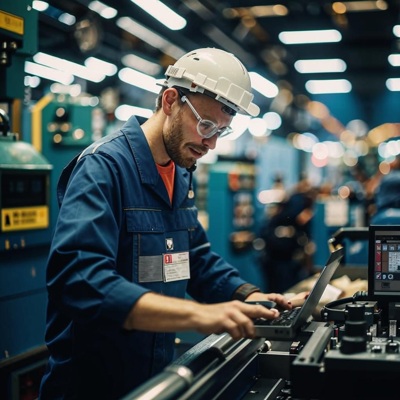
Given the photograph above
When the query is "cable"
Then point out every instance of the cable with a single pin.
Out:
(330, 312)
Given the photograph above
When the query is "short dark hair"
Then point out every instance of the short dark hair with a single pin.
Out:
(159, 98)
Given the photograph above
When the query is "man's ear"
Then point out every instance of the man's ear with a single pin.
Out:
(169, 97)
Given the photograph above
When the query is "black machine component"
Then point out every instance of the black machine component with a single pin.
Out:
(352, 353)
(355, 357)
(367, 365)
(348, 359)
(306, 370)
(217, 367)
(337, 310)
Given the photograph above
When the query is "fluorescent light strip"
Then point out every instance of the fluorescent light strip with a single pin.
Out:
(102, 9)
(68, 66)
(367, 5)
(162, 13)
(319, 66)
(141, 64)
(39, 5)
(317, 36)
(48, 73)
(43, 6)
(394, 60)
(393, 84)
(101, 66)
(396, 31)
(263, 85)
(67, 19)
(148, 36)
(139, 80)
(328, 86)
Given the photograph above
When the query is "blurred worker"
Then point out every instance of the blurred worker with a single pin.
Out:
(387, 200)
(286, 259)
(128, 246)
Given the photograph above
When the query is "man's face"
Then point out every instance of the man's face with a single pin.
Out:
(183, 143)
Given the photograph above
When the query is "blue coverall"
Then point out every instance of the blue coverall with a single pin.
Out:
(115, 224)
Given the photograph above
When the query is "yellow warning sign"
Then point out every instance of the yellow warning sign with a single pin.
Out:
(18, 219)
(11, 23)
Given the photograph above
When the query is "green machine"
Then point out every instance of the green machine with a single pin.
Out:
(25, 223)
(24, 195)
(25, 234)
(18, 40)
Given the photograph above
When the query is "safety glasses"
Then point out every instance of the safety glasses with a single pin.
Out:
(205, 127)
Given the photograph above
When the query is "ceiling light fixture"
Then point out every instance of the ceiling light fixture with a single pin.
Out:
(358, 6)
(102, 9)
(141, 64)
(48, 73)
(315, 36)
(328, 86)
(263, 85)
(394, 60)
(393, 84)
(68, 66)
(320, 66)
(276, 10)
(40, 5)
(162, 13)
(101, 66)
(53, 12)
(150, 37)
(138, 79)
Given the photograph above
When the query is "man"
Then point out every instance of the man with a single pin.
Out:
(128, 247)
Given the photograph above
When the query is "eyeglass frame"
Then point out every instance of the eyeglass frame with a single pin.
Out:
(225, 131)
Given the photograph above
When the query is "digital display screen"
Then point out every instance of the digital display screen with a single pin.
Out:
(384, 261)
(23, 189)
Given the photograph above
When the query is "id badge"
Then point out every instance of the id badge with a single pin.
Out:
(176, 266)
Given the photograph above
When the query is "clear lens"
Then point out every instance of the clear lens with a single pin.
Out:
(205, 127)
(225, 131)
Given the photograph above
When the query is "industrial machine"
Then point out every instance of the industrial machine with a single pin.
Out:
(25, 227)
(352, 358)
(350, 349)
(25, 234)
(36, 142)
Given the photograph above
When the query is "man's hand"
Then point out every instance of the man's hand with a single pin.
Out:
(157, 313)
(281, 301)
(235, 317)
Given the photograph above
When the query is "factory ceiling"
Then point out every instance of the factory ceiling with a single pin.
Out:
(247, 30)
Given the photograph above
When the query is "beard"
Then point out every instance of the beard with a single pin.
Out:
(175, 145)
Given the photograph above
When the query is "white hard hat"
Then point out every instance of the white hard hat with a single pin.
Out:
(216, 73)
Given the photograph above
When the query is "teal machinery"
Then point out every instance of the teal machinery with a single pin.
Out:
(25, 228)
(25, 236)
(56, 128)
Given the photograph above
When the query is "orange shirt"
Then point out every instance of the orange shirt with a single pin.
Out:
(167, 173)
